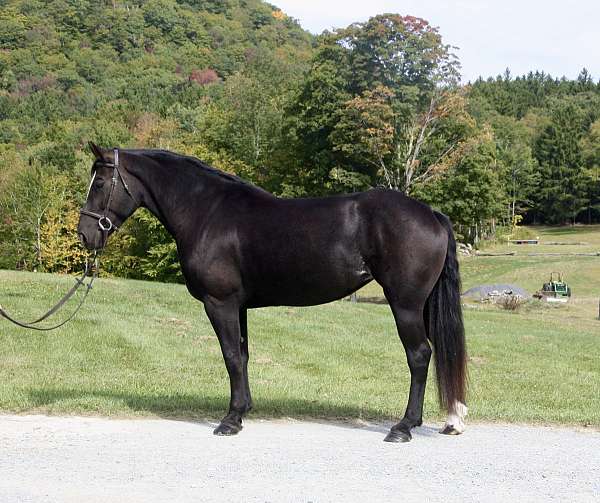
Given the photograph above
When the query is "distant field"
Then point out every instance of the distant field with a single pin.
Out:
(530, 272)
(141, 348)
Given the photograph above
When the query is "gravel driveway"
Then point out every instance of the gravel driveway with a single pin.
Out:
(51, 459)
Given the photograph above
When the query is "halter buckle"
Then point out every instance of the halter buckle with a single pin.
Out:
(101, 223)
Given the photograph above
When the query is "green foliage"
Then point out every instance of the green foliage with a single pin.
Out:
(246, 119)
(590, 150)
(39, 221)
(519, 170)
(545, 130)
(240, 85)
(373, 99)
(161, 261)
(470, 193)
(562, 193)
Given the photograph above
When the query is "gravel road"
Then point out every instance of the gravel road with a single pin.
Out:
(51, 459)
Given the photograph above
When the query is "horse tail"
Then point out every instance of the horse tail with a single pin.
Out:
(445, 328)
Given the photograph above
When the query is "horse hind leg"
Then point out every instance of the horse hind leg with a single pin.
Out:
(411, 329)
(455, 424)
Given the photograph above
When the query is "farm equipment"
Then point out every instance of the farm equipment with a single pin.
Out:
(556, 290)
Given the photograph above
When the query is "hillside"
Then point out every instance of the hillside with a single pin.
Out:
(75, 69)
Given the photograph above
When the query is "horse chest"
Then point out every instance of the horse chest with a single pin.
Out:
(219, 278)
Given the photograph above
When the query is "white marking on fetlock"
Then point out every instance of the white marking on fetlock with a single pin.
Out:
(456, 418)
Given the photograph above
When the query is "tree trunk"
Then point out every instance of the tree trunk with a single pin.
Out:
(38, 248)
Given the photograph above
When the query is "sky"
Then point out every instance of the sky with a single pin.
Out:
(558, 37)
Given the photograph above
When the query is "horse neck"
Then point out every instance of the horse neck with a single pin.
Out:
(178, 195)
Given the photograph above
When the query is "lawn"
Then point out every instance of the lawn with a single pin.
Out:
(147, 349)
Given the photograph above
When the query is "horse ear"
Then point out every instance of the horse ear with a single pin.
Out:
(97, 151)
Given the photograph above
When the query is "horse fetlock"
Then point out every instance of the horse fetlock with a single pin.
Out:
(409, 422)
(455, 424)
(239, 409)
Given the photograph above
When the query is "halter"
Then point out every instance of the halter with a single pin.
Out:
(105, 223)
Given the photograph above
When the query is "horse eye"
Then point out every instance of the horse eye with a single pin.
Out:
(99, 183)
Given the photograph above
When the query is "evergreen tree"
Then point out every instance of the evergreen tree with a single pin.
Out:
(562, 192)
(590, 148)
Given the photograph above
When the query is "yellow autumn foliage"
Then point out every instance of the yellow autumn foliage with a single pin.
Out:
(279, 15)
(60, 250)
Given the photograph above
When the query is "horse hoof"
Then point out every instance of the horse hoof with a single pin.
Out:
(398, 436)
(226, 429)
(450, 430)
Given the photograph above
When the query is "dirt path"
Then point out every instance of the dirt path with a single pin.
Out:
(50, 459)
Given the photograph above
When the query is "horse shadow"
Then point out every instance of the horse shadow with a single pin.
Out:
(206, 410)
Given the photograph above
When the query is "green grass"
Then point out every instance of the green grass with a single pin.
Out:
(147, 349)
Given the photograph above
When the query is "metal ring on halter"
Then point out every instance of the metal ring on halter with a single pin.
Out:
(105, 228)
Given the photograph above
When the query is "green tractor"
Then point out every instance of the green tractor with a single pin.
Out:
(556, 290)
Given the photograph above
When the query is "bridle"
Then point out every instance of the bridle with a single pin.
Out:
(92, 263)
(104, 222)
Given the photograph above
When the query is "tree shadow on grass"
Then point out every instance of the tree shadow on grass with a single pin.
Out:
(566, 229)
(208, 410)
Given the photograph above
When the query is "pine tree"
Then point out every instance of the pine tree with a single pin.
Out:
(563, 188)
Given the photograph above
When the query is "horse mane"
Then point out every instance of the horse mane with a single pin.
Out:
(166, 155)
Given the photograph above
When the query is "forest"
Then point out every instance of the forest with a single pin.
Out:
(240, 85)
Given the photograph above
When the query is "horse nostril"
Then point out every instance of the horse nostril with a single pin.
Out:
(82, 238)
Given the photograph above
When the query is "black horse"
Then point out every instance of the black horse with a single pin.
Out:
(240, 247)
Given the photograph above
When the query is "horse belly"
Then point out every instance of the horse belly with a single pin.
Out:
(303, 253)
(308, 286)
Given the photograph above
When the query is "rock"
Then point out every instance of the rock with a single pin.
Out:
(489, 292)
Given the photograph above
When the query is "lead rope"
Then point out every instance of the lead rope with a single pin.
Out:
(91, 271)
(91, 264)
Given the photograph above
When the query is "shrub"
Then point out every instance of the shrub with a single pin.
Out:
(510, 302)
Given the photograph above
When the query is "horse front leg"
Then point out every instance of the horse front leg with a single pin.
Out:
(225, 319)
